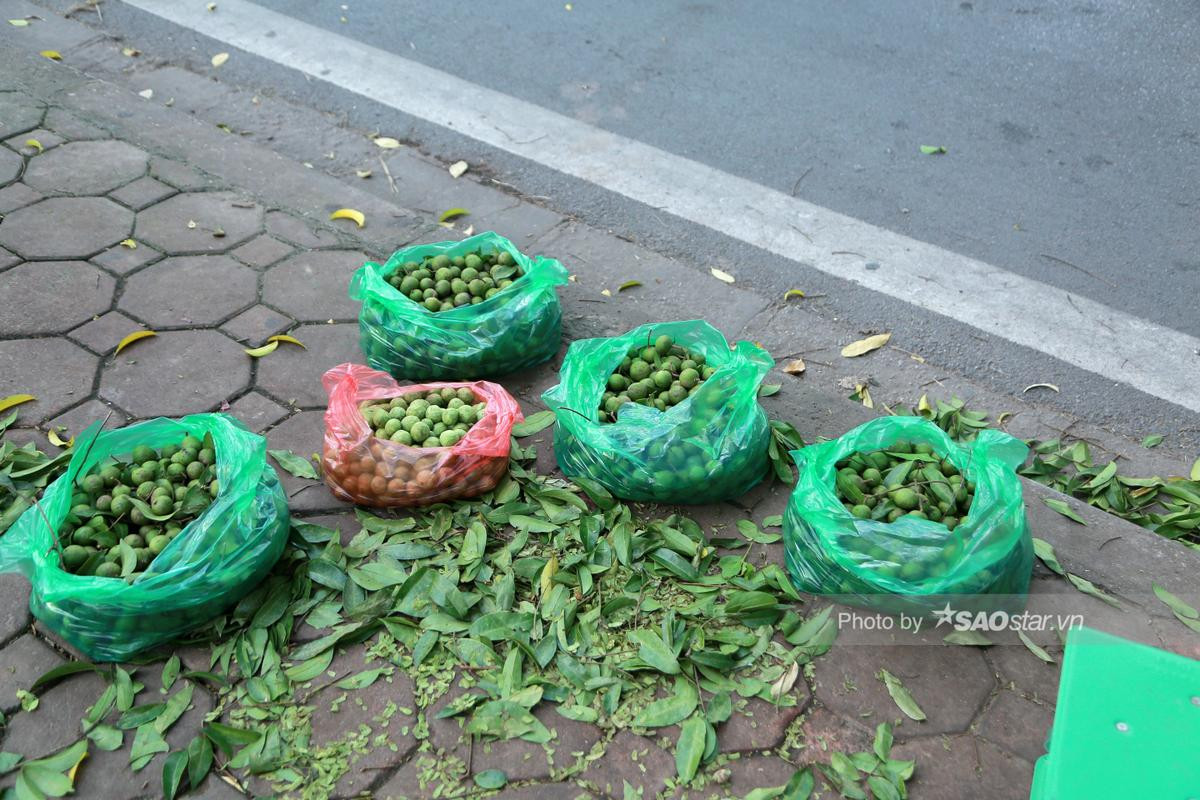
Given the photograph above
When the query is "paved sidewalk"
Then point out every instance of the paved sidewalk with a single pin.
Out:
(233, 245)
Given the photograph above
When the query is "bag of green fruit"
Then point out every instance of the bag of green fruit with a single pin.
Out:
(154, 529)
(389, 445)
(459, 310)
(667, 413)
(898, 515)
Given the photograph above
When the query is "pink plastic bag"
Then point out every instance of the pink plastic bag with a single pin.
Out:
(364, 469)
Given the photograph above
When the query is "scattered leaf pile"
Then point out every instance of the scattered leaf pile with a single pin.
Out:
(441, 283)
(24, 472)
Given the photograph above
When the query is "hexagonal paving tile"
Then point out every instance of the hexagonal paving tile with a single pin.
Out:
(10, 166)
(20, 112)
(302, 434)
(177, 372)
(294, 375)
(52, 296)
(189, 290)
(65, 227)
(312, 287)
(222, 220)
(57, 372)
(956, 767)
(86, 167)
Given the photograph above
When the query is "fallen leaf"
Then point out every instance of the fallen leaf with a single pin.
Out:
(1064, 509)
(351, 214)
(1153, 440)
(933, 149)
(628, 285)
(795, 367)
(259, 352)
(1089, 588)
(923, 404)
(864, 395)
(901, 696)
(57, 440)
(211, 6)
(146, 93)
(218, 233)
(1039, 386)
(1174, 603)
(1195, 473)
(35, 144)
(1034, 648)
(283, 337)
(785, 683)
(131, 52)
(129, 243)
(53, 55)
(452, 213)
(15, 400)
(19, 23)
(606, 292)
(546, 582)
(387, 142)
(469, 230)
(458, 168)
(721, 275)
(864, 346)
(219, 59)
(769, 389)
(131, 338)
(790, 293)
(967, 639)
(363, 173)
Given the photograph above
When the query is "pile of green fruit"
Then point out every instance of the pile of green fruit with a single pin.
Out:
(437, 418)
(659, 375)
(125, 512)
(905, 479)
(441, 283)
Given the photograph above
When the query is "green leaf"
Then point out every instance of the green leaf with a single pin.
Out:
(654, 651)
(491, 779)
(170, 672)
(175, 708)
(310, 668)
(49, 782)
(1044, 551)
(534, 423)
(578, 713)
(501, 625)
(882, 789)
(125, 693)
(174, 768)
(363, 679)
(883, 741)
(140, 715)
(800, 786)
(106, 737)
(768, 389)
(147, 742)
(1102, 477)
(1034, 648)
(671, 709)
(200, 759)
(62, 671)
(1195, 473)
(1064, 509)
(29, 700)
(900, 695)
(967, 638)
(933, 149)
(1175, 604)
(523, 522)
(1153, 440)
(690, 747)
(297, 465)
(719, 708)
(1089, 588)
(227, 737)
(452, 213)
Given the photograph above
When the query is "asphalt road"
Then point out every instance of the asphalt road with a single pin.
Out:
(1073, 141)
(1072, 128)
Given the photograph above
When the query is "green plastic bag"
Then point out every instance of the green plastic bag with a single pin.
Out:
(516, 328)
(828, 551)
(712, 446)
(213, 562)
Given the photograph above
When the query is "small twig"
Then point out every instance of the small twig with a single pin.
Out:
(802, 233)
(796, 185)
(1081, 269)
(847, 253)
(387, 172)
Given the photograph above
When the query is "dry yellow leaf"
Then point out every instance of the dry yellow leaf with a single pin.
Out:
(259, 352)
(131, 52)
(452, 213)
(19, 23)
(219, 59)
(864, 394)
(469, 230)
(628, 285)
(283, 337)
(211, 6)
(458, 168)
(795, 367)
(129, 243)
(15, 400)
(363, 173)
(35, 144)
(606, 292)
(57, 440)
(53, 55)
(721, 275)
(1039, 386)
(71, 772)
(387, 142)
(923, 404)
(351, 214)
(790, 293)
(131, 338)
(547, 579)
(864, 346)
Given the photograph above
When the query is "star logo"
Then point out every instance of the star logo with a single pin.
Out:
(943, 615)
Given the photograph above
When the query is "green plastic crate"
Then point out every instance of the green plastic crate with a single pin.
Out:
(1126, 726)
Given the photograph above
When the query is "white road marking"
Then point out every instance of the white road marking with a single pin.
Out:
(1149, 357)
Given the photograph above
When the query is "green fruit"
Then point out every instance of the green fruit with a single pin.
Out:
(108, 569)
(190, 443)
(689, 377)
(911, 570)
(904, 498)
(662, 379)
(402, 437)
(93, 484)
(73, 557)
(450, 417)
(434, 413)
(448, 438)
(159, 543)
(677, 394)
(649, 355)
(861, 511)
(420, 431)
(121, 505)
(639, 370)
(143, 453)
(663, 344)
